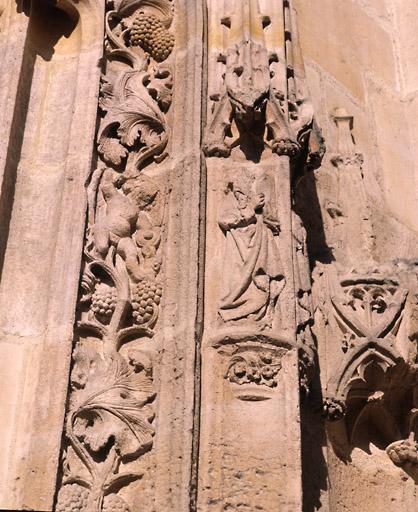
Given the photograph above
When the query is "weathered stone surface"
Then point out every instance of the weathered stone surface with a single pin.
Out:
(208, 255)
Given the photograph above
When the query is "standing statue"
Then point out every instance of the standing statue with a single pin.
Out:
(253, 274)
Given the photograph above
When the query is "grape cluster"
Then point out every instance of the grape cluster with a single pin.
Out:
(149, 33)
(72, 498)
(146, 298)
(114, 503)
(104, 300)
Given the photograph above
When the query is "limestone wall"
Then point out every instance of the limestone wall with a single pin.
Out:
(208, 255)
(359, 55)
(359, 58)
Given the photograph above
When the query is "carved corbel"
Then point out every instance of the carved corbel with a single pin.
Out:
(252, 360)
(110, 415)
(261, 96)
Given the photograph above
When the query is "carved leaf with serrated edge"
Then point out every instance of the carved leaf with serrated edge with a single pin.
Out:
(130, 108)
(160, 87)
(112, 150)
(163, 8)
(113, 404)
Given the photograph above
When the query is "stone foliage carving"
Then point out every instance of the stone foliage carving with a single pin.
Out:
(258, 368)
(134, 129)
(334, 409)
(251, 363)
(403, 453)
(109, 422)
(110, 416)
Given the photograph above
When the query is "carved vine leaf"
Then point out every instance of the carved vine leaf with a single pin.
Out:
(164, 8)
(113, 405)
(109, 422)
(133, 116)
(160, 86)
(112, 150)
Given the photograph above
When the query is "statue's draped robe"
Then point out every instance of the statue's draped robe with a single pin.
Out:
(252, 265)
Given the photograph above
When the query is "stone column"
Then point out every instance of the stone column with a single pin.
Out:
(257, 289)
(51, 129)
(13, 29)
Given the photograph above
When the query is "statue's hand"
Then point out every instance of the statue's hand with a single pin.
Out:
(259, 202)
(273, 224)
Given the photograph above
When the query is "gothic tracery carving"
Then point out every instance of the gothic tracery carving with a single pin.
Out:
(376, 379)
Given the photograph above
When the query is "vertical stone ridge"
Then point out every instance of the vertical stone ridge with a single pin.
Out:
(8, 178)
(110, 418)
(194, 477)
(257, 343)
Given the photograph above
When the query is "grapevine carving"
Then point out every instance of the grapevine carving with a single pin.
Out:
(109, 425)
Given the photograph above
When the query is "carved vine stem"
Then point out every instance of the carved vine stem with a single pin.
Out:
(109, 421)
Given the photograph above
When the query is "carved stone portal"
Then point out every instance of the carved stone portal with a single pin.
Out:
(200, 309)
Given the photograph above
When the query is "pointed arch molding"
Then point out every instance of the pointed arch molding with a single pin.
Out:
(382, 352)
